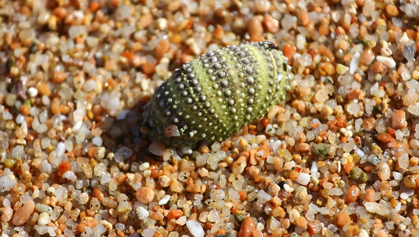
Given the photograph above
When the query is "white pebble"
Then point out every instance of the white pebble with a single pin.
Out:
(181, 220)
(304, 178)
(97, 141)
(406, 193)
(46, 100)
(89, 85)
(314, 167)
(77, 126)
(301, 41)
(45, 167)
(32, 92)
(389, 62)
(148, 232)
(51, 231)
(354, 63)
(142, 213)
(6, 183)
(44, 218)
(144, 166)
(99, 230)
(60, 149)
(263, 196)
(113, 104)
(195, 228)
(20, 118)
(288, 188)
(75, 31)
(123, 12)
(164, 200)
(43, 17)
(70, 175)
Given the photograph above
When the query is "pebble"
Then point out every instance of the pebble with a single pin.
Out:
(301, 222)
(59, 77)
(383, 171)
(389, 62)
(164, 181)
(181, 220)
(142, 213)
(354, 63)
(157, 148)
(6, 183)
(369, 195)
(144, 194)
(26, 36)
(341, 69)
(303, 178)
(255, 26)
(222, 15)
(343, 219)
(355, 74)
(195, 228)
(247, 227)
(363, 233)
(40, 207)
(161, 48)
(239, 165)
(272, 25)
(392, 10)
(43, 17)
(44, 218)
(353, 193)
(6, 214)
(23, 213)
(83, 198)
(164, 200)
(32, 92)
(398, 119)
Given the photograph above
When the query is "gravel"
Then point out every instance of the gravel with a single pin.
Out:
(338, 157)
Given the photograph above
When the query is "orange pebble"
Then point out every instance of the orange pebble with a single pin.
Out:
(243, 195)
(370, 195)
(353, 193)
(94, 6)
(265, 122)
(289, 50)
(25, 109)
(81, 228)
(247, 227)
(161, 48)
(174, 214)
(343, 219)
(257, 233)
(149, 68)
(59, 77)
(348, 167)
(294, 175)
(127, 54)
(63, 167)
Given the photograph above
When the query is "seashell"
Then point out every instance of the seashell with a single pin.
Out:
(214, 96)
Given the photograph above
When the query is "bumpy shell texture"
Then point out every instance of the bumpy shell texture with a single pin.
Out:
(214, 96)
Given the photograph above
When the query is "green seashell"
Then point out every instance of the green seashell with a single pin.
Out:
(214, 96)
